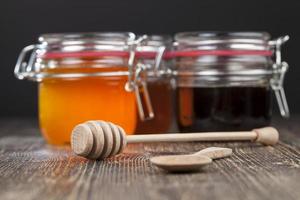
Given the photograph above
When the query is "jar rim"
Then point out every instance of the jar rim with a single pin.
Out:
(117, 38)
(99, 44)
(157, 40)
(220, 35)
(223, 40)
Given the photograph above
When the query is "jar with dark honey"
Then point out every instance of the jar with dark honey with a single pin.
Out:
(225, 80)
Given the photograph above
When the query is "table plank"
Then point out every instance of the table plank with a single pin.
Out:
(31, 169)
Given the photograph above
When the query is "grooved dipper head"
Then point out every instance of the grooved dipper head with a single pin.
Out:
(97, 139)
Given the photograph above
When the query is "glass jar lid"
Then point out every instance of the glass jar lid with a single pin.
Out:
(231, 55)
(101, 44)
(76, 50)
(225, 44)
(105, 49)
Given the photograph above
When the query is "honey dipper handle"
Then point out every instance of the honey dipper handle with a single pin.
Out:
(267, 136)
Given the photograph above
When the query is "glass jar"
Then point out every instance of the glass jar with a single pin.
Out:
(225, 80)
(159, 83)
(84, 76)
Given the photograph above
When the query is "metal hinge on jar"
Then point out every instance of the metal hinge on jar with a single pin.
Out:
(137, 77)
(137, 83)
(279, 70)
(25, 69)
(142, 94)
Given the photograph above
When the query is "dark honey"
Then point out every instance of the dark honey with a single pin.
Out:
(223, 108)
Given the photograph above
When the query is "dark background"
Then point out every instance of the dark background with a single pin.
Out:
(22, 21)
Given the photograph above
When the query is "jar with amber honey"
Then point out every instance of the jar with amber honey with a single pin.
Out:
(225, 80)
(84, 76)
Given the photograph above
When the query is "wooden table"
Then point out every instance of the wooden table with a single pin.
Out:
(31, 169)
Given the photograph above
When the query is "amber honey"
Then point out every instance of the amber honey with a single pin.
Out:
(161, 95)
(159, 84)
(64, 103)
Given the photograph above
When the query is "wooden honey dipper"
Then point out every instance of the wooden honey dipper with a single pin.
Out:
(100, 139)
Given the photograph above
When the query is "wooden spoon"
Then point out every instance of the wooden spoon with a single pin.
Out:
(190, 162)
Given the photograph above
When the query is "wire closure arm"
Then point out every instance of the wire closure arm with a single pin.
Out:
(21, 68)
(137, 83)
(280, 68)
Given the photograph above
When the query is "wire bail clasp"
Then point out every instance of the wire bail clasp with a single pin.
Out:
(129, 86)
(279, 70)
(137, 83)
(142, 94)
(23, 68)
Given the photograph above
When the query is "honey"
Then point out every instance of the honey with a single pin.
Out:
(161, 95)
(223, 108)
(65, 103)
(159, 86)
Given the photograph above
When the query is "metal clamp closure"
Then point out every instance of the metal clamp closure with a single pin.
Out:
(277, 85)
(276, 44)
(22, 68)
(137, 78)
(137, 83)
(142, 94)
(158, 59)
(129, 87)
(279, 70)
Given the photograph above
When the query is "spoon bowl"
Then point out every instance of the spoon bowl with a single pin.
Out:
(191, 162)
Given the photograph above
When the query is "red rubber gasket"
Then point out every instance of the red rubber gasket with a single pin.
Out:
(167, 55)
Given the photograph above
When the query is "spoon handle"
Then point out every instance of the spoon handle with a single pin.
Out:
(214, 152)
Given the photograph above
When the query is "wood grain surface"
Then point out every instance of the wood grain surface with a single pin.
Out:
(31, 169)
